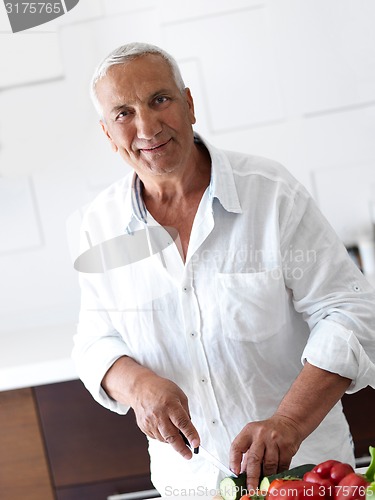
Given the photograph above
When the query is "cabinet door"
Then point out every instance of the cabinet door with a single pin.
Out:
(87, 443)
(23, 467)
(359, 409)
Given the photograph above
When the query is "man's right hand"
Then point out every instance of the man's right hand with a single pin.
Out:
(160, 406)
(161, 409)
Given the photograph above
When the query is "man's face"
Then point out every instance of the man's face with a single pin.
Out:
(146, 117)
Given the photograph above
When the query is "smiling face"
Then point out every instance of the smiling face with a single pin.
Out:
(146, 117)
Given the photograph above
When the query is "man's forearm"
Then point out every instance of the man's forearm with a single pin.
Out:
(121, 379)
(312, 395)
(160, 406)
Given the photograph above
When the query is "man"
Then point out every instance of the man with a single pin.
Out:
(244, 330)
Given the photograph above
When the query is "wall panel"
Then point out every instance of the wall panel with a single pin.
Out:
(196, 8)
(352, 187)
(325, 53)
(40, 56)
(19, 218)
(239, 73)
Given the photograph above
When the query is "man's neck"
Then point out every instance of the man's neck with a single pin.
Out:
(174, 186)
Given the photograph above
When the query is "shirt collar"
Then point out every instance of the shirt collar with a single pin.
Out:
(222, 186)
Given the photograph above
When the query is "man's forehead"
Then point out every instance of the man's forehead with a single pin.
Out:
(144, 75)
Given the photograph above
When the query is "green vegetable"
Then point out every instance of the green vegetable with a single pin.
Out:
(232, 488)
(370, 473)
(370, 492)
(294, 473)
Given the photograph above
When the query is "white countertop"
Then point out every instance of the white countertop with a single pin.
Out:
(36, 356)
(34, 374)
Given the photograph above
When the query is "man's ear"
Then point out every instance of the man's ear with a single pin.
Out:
(108, 135)
(190, 103)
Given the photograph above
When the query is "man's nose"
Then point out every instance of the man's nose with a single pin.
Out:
(148, 124)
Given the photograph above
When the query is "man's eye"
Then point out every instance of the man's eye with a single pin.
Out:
(161, 98)
(122, 115)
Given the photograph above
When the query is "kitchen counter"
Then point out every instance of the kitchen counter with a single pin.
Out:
(34, 374)
(36, 356)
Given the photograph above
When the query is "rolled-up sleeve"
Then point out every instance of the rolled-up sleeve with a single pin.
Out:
(346, 357)
(331, 293)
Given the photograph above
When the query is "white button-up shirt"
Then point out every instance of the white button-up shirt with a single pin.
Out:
(266, 285)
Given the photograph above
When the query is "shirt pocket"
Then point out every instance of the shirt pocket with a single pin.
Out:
(252, 305)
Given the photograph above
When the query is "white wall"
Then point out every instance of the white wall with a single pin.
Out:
(293, 80)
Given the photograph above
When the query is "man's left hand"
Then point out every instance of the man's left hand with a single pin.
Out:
(265, 447)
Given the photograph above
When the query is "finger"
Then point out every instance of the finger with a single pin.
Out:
(181, 419)
(271, 459)
(149, 428)
(187, 428)
(254, 461)
(172, 436)
(148, 432)
(239, 446)
(284, 460)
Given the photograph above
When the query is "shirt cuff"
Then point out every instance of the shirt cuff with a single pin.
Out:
(333, 348)
(94, 364)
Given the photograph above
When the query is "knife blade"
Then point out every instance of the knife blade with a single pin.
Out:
(216, 462)
(209, 457)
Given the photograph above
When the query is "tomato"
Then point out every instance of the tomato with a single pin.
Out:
(294, 490)
(276, 483)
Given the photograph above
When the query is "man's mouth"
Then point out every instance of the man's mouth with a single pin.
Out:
(156, 148)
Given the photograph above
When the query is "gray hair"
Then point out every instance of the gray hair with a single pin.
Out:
(126, 53)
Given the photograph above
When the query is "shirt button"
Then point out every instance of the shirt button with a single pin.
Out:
(193, 334)
(203, 380)
(356, 288)
(186, 288)
(213, 421)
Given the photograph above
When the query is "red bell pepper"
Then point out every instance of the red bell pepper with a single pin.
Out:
(351, 487)
(324, 469)
(327, 487)
(333, 470)
(339, 471)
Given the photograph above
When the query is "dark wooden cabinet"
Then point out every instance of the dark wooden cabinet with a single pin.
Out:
(359, 409)
(92, 452)
(24, 471)
(57, 443)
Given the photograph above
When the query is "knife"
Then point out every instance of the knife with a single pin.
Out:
(210, 458)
